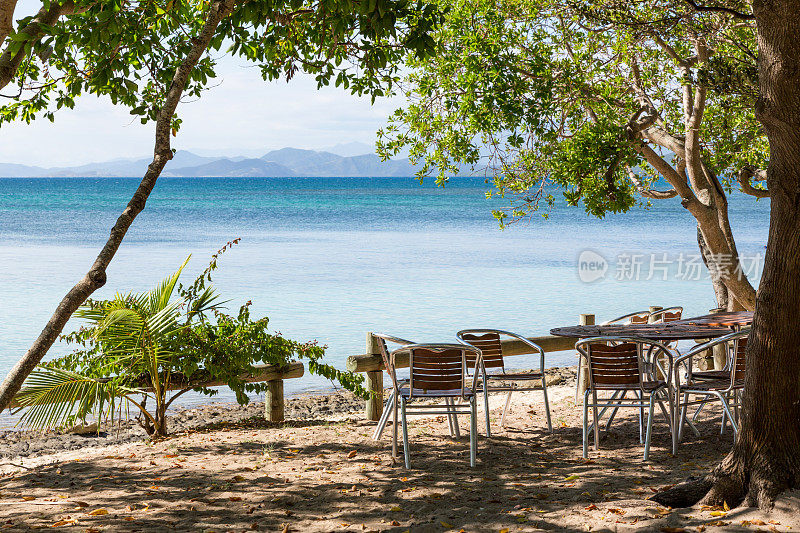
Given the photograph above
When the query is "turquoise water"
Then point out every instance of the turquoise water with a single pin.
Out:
(332, 258)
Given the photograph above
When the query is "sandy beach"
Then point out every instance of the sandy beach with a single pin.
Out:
(325, 473)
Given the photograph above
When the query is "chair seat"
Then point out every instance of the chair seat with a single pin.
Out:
(648, 386)
(450, 393)
(716, 375)
(514, 377)
(709, 386)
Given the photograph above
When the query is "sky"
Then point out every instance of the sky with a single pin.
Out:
(243, 115)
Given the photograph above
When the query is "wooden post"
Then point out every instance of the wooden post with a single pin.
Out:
(583, 375)
(374, 404)
(273, 401)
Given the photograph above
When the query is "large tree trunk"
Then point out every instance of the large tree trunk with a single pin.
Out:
(96, 277)
(765, 459)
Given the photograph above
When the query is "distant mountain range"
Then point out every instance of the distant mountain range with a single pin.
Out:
(287, 162)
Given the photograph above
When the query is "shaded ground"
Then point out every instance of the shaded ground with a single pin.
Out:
(330, 476)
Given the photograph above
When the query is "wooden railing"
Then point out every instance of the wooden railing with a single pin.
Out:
(273, 375)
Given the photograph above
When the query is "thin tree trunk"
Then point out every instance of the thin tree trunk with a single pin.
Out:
(96, 277)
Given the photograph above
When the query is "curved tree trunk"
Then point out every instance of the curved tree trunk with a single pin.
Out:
(765, 459)
(720, 289)
(96, 277)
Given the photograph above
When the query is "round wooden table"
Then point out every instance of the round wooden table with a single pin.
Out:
(671, 331)
(700, 327)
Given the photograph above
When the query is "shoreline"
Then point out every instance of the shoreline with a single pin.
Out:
(328, 406)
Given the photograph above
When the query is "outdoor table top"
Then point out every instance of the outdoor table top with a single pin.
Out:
(728, 318)
(667, 331)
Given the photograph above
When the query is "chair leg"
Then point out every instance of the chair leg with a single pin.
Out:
(641, 416)
(596, 422)
(505, 409)
(394, 428)
(649, 433)
(675, 405)
(384, 418)
(473, 431)
(486, 410)
(546, 406)
(586, 425)
(454, 418)
(450, 424)
(613, 411)
(730, 415)
(406, 451)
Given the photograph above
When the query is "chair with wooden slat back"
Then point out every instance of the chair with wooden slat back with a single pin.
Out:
(616, 365)
(712, 384)
(668, 314)
(439, 371)
(381, 340)
(488, 341)
(638, 317)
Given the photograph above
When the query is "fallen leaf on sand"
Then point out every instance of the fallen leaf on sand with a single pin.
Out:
(446, 524)
(285, 528)
(573, 477)
(396, 509)
(718, 513)
(674, 530)
(616, 511)
(98, 512)
(63, 523)
(28, 498)
(504, 530)
(351, 454)
(238, 478)
(592, 507)
(235, 498)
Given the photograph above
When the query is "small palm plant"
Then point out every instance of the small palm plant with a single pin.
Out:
(138, 347)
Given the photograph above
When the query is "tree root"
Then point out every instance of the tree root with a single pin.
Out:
(684, 494)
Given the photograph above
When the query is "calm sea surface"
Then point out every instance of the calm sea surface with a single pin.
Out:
(332, 258)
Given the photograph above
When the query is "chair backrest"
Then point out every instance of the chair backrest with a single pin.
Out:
(639, 317)
(612, 367)
(489, 345)
(738, 366)
(670, 314)
(437, 368)
(380, 340)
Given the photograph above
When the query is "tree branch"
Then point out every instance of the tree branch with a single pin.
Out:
(746, 175)
(162, 153)
(7, 8)
(647, 192)
(10, 62)
(721, 9)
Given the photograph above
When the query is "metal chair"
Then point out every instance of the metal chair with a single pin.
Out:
(639, 317)
(438, 371)
(382, 339)
(714, 384)
(616, 364)
(669, 314)
(488, 342)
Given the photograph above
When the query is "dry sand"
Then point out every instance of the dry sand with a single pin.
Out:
(323, 475)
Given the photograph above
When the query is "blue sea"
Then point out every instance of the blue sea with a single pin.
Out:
(330, 259)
